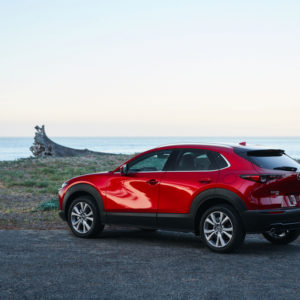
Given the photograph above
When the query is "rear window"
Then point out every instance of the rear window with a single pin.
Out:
(199, 160)
(270, 159)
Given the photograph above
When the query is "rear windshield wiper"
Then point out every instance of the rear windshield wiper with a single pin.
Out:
(286, 168)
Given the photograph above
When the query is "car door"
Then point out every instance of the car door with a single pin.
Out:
(194, 171)
(133, 198)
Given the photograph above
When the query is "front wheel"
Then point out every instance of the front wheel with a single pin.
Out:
(221, 229)
(83, 218)
(281, 237)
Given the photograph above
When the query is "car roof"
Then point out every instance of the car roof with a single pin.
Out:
(240, 147)
(225, 146)
(182, 145)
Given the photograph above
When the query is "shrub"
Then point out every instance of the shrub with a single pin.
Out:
(52, 204)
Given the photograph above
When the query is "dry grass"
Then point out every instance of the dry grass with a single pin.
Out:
(25, 184)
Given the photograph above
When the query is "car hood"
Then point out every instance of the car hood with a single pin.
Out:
(87, 177)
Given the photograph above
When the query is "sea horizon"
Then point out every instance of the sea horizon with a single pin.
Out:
(159, 136)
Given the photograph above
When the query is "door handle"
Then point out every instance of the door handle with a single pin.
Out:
(205, 180)
(152, 181)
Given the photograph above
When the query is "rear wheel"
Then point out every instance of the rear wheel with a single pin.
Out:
(84, 218)
(281, 237)
(221, 229)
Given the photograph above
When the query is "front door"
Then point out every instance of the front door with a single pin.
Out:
(133, 198)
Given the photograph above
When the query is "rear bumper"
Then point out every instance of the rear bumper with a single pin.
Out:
(257, 221)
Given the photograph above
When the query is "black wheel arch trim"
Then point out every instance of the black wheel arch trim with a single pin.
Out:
(217, 193)
(84, 188)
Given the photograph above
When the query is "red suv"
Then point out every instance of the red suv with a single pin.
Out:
(220, 192)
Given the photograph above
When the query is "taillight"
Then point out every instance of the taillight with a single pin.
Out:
(261, 178)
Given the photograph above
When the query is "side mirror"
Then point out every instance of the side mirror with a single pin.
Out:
(124, 170)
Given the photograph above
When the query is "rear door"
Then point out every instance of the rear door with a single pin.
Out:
(194, 170)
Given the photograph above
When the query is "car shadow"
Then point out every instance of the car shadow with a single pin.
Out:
(159, 237)
(257, 245)
(254, 244)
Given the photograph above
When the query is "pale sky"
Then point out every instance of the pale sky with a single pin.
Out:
(150, 68)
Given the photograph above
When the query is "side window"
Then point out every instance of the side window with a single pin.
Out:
(219, 159)
(198, 160)
(150, 162)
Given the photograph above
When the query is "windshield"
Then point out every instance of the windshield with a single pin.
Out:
(271, 159)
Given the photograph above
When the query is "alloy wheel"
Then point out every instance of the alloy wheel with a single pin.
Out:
(82, 217)
(218, 229)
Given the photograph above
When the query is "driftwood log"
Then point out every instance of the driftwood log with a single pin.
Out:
(43, 146)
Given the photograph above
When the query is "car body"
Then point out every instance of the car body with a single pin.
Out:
(192, 188)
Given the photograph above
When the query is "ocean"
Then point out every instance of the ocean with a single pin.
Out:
(12, 148)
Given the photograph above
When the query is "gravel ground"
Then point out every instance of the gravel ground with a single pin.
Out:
(128, 263)
(20, 211)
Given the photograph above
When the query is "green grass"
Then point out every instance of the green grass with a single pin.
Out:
(45, 175)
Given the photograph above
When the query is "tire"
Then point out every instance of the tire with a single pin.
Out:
(281, 237)
(84, 218)
(221, 229)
